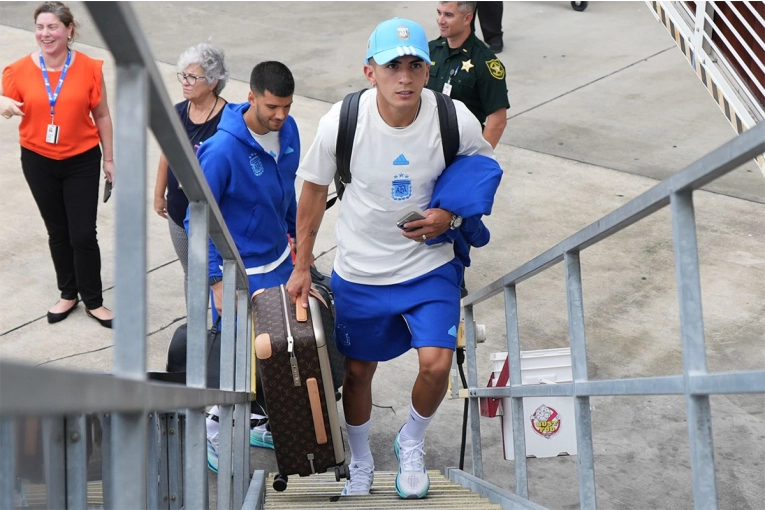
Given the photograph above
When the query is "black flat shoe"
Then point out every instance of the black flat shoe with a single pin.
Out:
(107, 323)
(58, 317)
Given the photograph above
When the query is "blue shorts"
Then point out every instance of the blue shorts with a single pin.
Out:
(381, 322)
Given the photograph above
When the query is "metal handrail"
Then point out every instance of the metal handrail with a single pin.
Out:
(63, 397)
(698, 174)
(695, 382)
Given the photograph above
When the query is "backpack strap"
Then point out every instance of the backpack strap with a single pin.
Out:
(450, 132)
(346, 132)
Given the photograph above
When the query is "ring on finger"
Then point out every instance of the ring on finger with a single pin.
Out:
(424, 238)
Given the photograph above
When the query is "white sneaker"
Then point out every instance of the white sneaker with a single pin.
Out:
(212, 455)
(361, 480)
(260, 437)
(412, 480)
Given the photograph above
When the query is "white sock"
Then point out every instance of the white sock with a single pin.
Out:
(213, 427)
(358, 440)
(414, 428)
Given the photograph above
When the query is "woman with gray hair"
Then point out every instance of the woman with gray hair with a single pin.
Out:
(203, 74)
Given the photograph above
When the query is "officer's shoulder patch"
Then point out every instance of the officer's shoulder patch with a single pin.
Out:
(496, 68)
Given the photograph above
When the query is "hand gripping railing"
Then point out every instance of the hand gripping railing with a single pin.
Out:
(695, 383)
(141, 101)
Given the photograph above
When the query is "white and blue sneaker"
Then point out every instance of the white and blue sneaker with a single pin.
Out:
(361, 480)
(412, 480)
(260, 436)
(212, 456)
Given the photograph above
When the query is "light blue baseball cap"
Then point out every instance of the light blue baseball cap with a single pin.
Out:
(395, 38)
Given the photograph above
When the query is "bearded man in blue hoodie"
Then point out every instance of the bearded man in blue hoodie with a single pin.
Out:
(250, 165)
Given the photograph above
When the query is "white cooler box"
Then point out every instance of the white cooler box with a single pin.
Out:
(550, 423)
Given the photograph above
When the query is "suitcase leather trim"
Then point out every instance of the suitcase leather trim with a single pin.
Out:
(263, 346)
(316, 412)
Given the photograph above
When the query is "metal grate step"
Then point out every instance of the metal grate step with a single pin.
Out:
(320, 492)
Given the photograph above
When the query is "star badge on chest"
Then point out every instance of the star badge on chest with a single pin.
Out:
(467, 65)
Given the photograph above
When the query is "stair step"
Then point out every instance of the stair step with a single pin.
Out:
(320, 492)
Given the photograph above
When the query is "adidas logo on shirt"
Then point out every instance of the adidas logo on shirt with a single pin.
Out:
(400, 160)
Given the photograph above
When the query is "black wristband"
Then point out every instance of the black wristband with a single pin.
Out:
(213, 280)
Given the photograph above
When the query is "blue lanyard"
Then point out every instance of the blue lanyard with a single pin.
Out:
(53, 96)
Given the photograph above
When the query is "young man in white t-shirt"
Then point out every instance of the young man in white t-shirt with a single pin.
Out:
(392, 291)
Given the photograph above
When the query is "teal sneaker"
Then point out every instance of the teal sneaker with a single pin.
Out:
(361, 479)
(412, 480)
(260, 436)
(212, 456)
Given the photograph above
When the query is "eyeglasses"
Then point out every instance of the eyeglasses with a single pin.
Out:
(191, 79)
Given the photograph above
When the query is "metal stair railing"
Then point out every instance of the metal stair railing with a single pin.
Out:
(725, 44)
(63, 397)
(695, 382)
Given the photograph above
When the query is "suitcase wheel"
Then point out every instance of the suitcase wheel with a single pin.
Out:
(280, 482)
(342, 472)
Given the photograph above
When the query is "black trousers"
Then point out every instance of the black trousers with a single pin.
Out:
(490, 17)
(66, 193)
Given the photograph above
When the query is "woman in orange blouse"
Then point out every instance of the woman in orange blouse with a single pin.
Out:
(60, 96)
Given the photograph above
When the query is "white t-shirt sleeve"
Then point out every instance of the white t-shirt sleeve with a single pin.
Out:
(471, 137)
(319, 164)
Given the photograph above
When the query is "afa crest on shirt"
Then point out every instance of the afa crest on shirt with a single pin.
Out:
(256, 165)
(401, 188)
(496, 68)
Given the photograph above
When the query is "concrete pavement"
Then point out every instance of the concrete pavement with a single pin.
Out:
(603, 104)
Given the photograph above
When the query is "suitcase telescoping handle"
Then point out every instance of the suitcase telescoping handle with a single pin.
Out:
(290, 339)
(318, 416)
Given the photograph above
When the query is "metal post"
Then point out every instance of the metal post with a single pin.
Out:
(54, 453)
(701, 27)
(694, 350)
(7, 462)
(175, 461)
(472, 377)
(242, 411)
(195, 463)
(519, 425)
(152, 470)
(226, 413)
(163, 483)
(132, 112)
(76, 462)
(585, 455)
(106, 460)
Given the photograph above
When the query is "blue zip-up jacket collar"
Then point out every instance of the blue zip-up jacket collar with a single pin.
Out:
(256, 195)
(233, 123)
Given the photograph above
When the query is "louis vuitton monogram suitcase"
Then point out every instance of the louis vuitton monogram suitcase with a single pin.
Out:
(291, 346)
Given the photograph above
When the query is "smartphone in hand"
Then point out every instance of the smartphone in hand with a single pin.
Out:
(408, 214)
(107, 190)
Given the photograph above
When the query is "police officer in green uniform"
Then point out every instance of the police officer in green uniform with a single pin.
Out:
(465, 69)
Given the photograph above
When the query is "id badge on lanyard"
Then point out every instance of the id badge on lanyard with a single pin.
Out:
(52, 133)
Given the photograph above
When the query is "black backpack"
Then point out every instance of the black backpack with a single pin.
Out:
(346, 132)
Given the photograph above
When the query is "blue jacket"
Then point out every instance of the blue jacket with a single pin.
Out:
(255, 194)
(467, 188)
